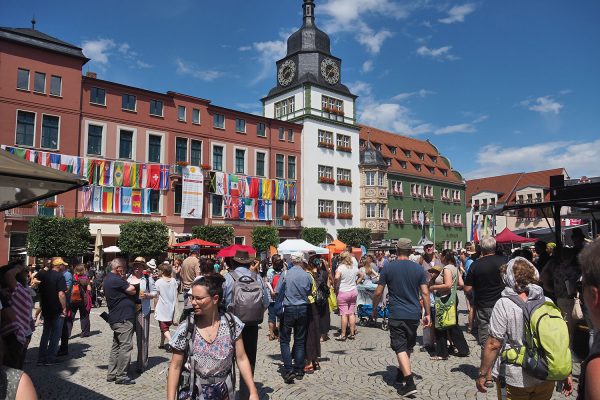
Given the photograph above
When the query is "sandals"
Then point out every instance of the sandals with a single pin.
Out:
(438, 358)
(272, 336)
(308, 369)
(316, 366)
(489, 383)
(341, 339)
(351, 337)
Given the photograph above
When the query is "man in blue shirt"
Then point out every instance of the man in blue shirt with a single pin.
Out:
(68, 322)
(298, 285)
(240, 268)
(407, 283)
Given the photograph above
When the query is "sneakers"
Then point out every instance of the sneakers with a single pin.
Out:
(125, 381)
(289, 377)
(408, 389)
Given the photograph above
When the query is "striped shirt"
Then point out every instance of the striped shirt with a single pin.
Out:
(22, 304)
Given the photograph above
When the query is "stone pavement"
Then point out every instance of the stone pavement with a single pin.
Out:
(361, 369)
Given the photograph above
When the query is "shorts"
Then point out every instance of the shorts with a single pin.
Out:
(164, 326)
(347, 302)
(403, 334)
(272, 316)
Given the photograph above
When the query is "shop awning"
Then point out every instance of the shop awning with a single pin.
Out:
(23, 182)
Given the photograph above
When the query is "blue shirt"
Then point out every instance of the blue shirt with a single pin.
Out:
(69, 280)
(243, 271)
(298, 285)
(404, 279)
(121, 306)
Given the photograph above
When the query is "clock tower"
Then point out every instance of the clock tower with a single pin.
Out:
(310, 92)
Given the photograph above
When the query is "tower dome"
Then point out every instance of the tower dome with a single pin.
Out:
(308, 37)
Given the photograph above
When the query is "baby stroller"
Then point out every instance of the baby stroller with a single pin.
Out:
(364, 314)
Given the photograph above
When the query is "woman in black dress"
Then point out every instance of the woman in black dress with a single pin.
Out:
(322, 278)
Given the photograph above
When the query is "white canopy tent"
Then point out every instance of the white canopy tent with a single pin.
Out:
(298, 245)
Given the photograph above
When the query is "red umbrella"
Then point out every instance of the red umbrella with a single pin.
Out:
(198, 242)
(231, 250)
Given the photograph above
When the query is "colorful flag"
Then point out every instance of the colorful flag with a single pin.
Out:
(241, 208)
(44, 158)
(117, 201)
(146, 201)
(107, 199)
(164, 177)
(30, 155)
(54, 160)
(260, 205)
(21, 153)
(153, 178)
(133, 175)
(233, 186)
(136, 201)
(221, 184)
(250, 210)
(96, 199)
(126, 174)
(267, 189)
(228, 208)
(268, 204)
(252, 184)
(101, 172)
(86, 198)
(108, 173)
(212, 182)
(66, 163)
(290, 191)
(243, 187)
(126, 200)
(143, 177)
(118, 174)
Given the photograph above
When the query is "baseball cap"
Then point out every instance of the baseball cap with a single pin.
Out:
(404, 244)
(58, 261)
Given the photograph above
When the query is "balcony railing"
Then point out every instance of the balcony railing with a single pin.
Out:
(286, 223)
(35, 211)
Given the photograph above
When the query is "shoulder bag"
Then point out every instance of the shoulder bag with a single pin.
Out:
(445, 309)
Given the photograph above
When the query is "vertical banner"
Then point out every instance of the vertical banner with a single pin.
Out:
(192, 195)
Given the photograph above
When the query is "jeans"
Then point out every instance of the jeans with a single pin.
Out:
(296, 318)
(120, 352)
(250, 340)
(483, 316)
(50, 337)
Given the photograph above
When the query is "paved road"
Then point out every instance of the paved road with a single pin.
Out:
(360, 369)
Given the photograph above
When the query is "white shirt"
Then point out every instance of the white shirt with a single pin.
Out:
(347, 277)
(167, 296)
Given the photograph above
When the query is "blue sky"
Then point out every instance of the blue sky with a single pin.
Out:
(498, 86)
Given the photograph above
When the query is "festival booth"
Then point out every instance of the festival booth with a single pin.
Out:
(231, 250)
(204, 247)
(298, 245)
(509, 237)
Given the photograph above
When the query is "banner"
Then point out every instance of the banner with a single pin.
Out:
(192, 192)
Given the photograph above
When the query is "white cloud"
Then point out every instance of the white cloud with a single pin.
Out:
(267, 53)
(458, 13)
(442, 53)
(371, 40)
(245, 48)
(98, 50)
(367, 66)
(207, 75)
(142, 64)
(468, 127)
(407, 95)
(578, 158)
(543, 105)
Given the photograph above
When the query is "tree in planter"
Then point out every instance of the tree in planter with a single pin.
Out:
(314, 236)
(144, 238)
(221, 234)
(56, 236)
(355, 236)
(264, 237)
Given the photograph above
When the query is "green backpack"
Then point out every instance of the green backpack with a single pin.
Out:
(546, 354)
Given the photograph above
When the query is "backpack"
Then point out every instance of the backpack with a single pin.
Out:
(247, 298)
(77, 292)
(546, 354)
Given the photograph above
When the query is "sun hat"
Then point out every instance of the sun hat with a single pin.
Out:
(435, 268)
(243, 257)
(138, 261)
(404, 244)
(151, 264)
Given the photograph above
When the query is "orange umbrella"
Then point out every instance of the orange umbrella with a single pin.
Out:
(336, 246)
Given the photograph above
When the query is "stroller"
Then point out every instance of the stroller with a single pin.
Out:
(365, 307)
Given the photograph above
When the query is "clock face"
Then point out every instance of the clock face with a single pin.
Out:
(286, 73)
(330, 71)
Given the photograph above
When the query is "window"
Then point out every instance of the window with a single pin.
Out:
(290, 135)
(292, 209)
(125, 144)
(281, 134)
(94, 145)
(240, 125)
(217, 158)
(196, 153)
(362, 142)
(260, 164)
(217, 206)
(155, 201)
(154, 145)
(397, 215)
(343, 141)
(55, 85)
(392, 149)
(23, 79)
(377, 146)
(219, 121)
(343, 174)
(402, 164)
(25, 128)
(128, 102)
(50, 125)
(178, 199)
(417, 167)
(431, 170)
(195, 116)
(381, 210)
(332, 105)
(325, 171)
(371, 210)
(279, 166)
(456, 194)
(98, 96)
(396, 187)
(181, 113)
(325, 137)
(39, 83)
(240, 161)
(239, 240)
(181, 145)
(325, 206)
(344, 207)
(381, 180)
(370, 178)
(447, 244)
(444, 172)
(291, 167)
(285, 107)
(538, 197)
(388, 161)
(433, 159)
(406, 152)
(414, 215)
(279, 209)
(421, 156)
(156, 108)
(261, 130)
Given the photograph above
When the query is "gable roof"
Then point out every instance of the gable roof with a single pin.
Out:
(31, 37)
(432, 159)
(507, 185)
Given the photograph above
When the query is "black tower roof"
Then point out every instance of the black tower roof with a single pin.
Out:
(371, 157)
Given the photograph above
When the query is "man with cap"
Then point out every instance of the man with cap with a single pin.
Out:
(407, 284)
(240, 274)
(53, 300)
(296, 285)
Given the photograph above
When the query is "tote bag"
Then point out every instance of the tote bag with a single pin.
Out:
(445, 309)
(332, 300)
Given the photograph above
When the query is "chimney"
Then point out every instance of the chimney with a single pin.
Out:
(91, 74)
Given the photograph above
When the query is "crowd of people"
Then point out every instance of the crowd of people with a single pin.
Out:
(209, 312)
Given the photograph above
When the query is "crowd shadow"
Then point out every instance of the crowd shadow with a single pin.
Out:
(469, 370)
(92, 333)
(264, 391)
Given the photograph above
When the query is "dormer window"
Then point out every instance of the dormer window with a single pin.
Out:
(421, 156)
(406, 153)
(433, 159)
(402, 163)
(388, 161)
(431, 170)
(392, 149)
(417, 167)
(444, 172)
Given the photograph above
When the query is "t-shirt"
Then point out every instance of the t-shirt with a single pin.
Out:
(52, 282)
(167, 296)
(121, 306)
(440, 279)
(403, 279)
(347, 277)
(190, 269)
(486, 280)
(69, 281)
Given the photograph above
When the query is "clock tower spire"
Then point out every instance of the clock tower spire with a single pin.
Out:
(309, 12)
